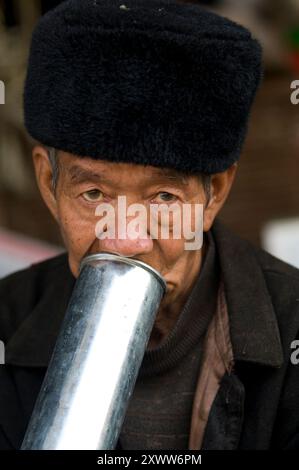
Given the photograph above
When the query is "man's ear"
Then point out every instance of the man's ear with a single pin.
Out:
(44, 177)
(221, 184)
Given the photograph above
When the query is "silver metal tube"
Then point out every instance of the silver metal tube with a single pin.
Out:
(97, 356)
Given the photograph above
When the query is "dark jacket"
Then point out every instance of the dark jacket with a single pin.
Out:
(257, 405)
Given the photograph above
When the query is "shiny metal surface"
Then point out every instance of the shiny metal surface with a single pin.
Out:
(92, 373)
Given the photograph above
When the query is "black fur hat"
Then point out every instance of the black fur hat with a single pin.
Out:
(153, 82)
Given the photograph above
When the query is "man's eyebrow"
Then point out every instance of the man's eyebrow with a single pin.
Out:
(79, 175)
(170, 174)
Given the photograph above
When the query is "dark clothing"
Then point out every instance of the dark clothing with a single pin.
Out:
(159, 412)
(257, 405)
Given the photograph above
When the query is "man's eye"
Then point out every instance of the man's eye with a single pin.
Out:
(94, 195)
(167, 197)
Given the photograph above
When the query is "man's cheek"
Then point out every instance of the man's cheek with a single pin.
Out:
(78, 234)
(77, 246)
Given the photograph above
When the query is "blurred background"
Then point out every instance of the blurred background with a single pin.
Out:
(263, 205)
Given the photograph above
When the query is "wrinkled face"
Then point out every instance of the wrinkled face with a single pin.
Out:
(84, 183)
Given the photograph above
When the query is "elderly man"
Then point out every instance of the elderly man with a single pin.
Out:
(150, 100)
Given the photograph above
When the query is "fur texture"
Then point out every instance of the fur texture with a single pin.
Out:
(142, 81)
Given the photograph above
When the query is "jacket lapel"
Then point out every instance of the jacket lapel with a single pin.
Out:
(244, 329)
(216, 369)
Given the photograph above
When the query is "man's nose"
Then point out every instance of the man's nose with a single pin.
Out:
(128, 243)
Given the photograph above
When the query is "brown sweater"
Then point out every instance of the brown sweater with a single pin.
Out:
(159, 412)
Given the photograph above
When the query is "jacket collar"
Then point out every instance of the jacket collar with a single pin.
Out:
(253, 326)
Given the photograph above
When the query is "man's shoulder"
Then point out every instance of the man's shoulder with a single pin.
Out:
(270, 265)
(282, 280)
(34, 272)
(21, 291)
(258, 271)
(273, 266)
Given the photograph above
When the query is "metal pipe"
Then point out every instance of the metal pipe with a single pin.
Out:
(97, 356)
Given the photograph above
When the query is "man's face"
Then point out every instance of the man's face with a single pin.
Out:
(84, 183)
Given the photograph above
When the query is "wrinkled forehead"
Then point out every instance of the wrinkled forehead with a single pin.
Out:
(78, 169)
